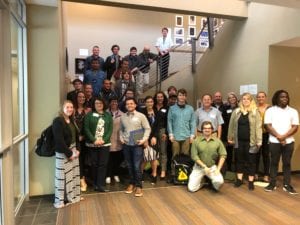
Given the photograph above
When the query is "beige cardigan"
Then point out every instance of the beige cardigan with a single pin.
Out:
(255, 127)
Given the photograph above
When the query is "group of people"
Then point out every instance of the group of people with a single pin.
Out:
(129, 71)
(98, 132)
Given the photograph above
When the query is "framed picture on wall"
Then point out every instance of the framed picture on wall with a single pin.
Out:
(79, 65)
(192, 31)
(179, 21)
(178, 40)
(178, 31)
(192, 20)
(204, 43)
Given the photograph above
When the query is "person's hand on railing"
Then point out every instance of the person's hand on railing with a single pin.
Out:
(134, 70)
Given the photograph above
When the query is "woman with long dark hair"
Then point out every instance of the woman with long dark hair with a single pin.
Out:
(151, 148)
(116, 153)
(80, 112)
(160, 127)
(67, 180)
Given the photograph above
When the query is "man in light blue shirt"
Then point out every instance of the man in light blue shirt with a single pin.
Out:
(181, 126)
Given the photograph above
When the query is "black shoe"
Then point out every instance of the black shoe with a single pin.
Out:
(101, 189)
(251, 186)
(288, 188)
(153, 179)
(171, 180)
(238, 183)
(270, 187)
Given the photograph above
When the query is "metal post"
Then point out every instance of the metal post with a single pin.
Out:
(193, 55)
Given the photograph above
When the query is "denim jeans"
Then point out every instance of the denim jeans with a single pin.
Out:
(134, 157)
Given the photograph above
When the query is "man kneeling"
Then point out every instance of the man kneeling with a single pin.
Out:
(206, 151)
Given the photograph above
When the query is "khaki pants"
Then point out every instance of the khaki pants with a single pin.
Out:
(180, 147)
(196, 177)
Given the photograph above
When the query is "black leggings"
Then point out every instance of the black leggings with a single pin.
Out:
(264, 151)
(115, 159)
(245, 161)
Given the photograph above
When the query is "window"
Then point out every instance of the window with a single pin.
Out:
(17, 78)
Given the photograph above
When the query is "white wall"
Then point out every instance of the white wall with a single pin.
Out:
(44, 89)
(241, 51)
(88, 25)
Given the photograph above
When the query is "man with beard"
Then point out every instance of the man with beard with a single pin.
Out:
(282, 123)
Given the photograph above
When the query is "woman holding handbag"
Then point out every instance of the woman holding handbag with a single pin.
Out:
(245, 133)
(151, 146)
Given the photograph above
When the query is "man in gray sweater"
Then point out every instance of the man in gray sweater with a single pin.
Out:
(134, 132)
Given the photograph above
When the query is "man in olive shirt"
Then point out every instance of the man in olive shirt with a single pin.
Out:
(207, 151)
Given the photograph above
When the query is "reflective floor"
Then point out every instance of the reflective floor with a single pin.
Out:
(40, 210)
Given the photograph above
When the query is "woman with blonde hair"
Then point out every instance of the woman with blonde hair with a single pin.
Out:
(245, 134)
(67, 180)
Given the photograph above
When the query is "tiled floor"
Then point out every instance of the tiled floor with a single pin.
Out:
(37, 211)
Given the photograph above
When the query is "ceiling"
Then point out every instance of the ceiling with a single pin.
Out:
(285, 3)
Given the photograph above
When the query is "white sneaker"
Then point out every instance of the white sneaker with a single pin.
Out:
(108, 180)
(117, 179)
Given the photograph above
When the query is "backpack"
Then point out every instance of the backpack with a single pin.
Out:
(45, 144)
(183, 167)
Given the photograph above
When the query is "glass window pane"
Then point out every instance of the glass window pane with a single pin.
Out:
(19, 172)
(17, 78)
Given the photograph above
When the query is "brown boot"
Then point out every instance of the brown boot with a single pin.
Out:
(129, 189)
(138, 192)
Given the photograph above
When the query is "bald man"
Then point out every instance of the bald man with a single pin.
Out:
(142, 79)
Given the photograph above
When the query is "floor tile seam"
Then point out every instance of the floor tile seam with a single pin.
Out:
(144, 189)
(35, 214)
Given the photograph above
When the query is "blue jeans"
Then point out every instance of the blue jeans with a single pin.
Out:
(134, 157)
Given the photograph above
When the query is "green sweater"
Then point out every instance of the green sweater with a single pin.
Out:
(90, 126)
(209, 152)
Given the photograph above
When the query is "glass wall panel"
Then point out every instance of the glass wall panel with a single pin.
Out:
(19, 172)
(17, 78)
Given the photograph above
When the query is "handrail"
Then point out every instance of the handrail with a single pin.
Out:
(181, 54)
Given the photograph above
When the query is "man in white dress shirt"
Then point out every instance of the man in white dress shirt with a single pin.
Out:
(163, 46)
